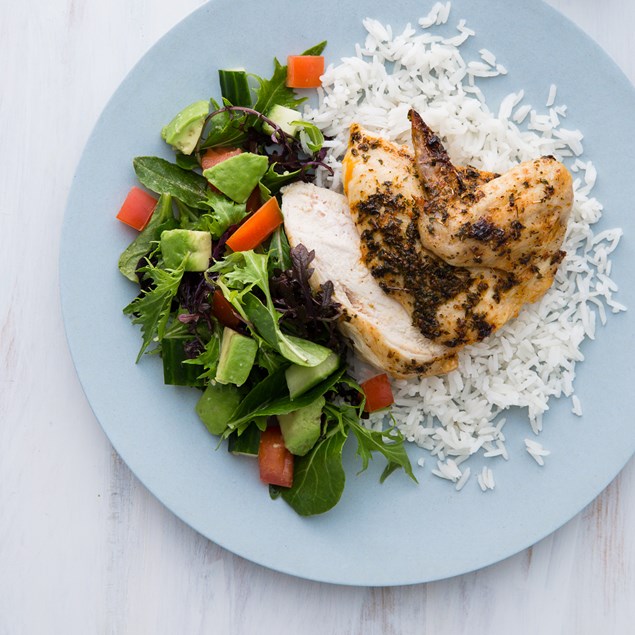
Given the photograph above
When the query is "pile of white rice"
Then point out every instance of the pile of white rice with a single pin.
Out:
(533, 357)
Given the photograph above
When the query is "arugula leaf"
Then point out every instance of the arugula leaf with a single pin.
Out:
(164, 177)
(385, 442)
(151, 309)
(318, 49)
(274, 91)
(319, 478)
(162, 218)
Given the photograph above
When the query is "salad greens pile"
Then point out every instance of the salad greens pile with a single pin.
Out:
(272, 356)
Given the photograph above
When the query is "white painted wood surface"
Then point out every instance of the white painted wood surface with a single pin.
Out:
(83, 547)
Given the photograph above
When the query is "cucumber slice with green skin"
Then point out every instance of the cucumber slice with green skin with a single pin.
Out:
(303, 378)
(216, 406)
(175, 372)
(246, 444)
(234, 87)
(237, 357)
(284, 117)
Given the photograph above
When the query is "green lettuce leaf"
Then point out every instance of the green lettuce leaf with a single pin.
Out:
(151, 309)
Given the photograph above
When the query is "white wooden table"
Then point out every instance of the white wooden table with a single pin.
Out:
(84, 548)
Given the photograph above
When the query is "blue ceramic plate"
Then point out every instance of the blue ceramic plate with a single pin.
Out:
(398, 532)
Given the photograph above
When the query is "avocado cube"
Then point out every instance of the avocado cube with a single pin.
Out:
(237, 357)
(185, 129)
(216, 406)
(193, 246)
(237, 176)
(302, 428)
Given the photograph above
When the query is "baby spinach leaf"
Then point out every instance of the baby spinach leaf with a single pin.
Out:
(279, 252)
(273, 180)
(262, 404)
(224, 128)
(162, 218)
(311, 136)
(187, 161)
(164, 177)
(319, 478)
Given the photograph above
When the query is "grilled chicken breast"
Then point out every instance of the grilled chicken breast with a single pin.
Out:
(379, 327)
(419, 217)
(427, 257)
(512, 222)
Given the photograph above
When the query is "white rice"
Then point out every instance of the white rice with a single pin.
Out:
(532, 358)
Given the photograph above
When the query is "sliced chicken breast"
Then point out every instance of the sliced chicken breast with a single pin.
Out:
(379, 327)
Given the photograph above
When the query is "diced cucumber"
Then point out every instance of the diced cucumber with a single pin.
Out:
(216, 406)
(237, 356)
(175, 372)
(282, 116)
(303, 378)
(247, 443)
(234, 87)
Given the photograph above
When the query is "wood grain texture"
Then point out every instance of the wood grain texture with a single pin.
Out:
(84, 548)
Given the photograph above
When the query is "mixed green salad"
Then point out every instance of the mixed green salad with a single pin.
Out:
(226, 302)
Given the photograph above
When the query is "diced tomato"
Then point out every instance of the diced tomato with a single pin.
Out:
(378, 393)
(137, 208)
(223, 310)
(257, 227)
(214, 156)
(274, 460)
(304, 71)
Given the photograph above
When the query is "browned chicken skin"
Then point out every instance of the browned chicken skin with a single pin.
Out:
(461, 250)
(510, 222)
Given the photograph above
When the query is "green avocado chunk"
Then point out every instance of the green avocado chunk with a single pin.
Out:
(301, 429)
(237, 356)
(303, 378)
(176, 244)
(216, 406)
(184, 130)
(237, 176)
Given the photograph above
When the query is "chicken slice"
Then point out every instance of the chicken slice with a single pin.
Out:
(512, 222)
(451, 305)
(377, 324)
